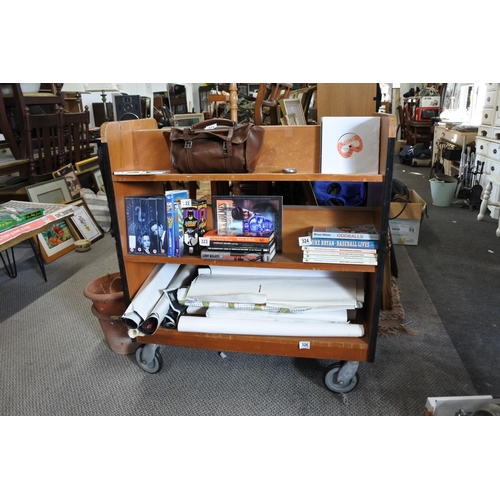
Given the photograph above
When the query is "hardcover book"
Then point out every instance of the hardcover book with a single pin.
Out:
(356, 232)
(175, 218)
(249, 216)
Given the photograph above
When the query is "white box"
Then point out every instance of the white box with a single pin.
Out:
(430, 101)
(350, 144)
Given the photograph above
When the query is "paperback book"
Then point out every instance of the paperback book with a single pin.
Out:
(344, 258)
(213, 236)
(236, 255)
(249, 216)
(339, 251)
(355, 232)
(340, 260)
(225, 246)
(336, 243)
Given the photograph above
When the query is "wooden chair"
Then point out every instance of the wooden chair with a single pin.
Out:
(402, 125)
(416, 131)
(13, 106)
(42, 145)
(74, 138)
(267, 102)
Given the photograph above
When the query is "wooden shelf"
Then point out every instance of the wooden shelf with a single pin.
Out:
(320, 347)
(140, 145)
(281, 261)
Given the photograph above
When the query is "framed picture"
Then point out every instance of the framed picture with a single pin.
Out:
(54, 191)
(292, 109)
(56, 241)
(187, 119)
(84, 223)
(98, 181)
(69, 173)
(249, 215)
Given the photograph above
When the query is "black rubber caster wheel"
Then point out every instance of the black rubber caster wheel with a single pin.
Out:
(154, 366)
(331, 382)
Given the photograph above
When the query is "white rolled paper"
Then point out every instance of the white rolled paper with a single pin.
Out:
(149, 294)
(271, 328)
(313, 315)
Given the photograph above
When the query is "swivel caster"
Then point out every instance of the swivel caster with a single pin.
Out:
(148, 358)
(341, 376)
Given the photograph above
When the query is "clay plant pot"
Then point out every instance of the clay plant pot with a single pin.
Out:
(106, 293)
(115, 333)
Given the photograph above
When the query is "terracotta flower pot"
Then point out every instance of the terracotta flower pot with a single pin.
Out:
(106, 293)
(115, 333)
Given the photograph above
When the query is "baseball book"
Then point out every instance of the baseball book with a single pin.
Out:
(335, 243)
(338, 251)
(249, 216)
(340, 260)
(355, 232)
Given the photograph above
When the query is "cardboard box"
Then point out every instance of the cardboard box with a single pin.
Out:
(430, 101)
(350, 144)
(405, 229)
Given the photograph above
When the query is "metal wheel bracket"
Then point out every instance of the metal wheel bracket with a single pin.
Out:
(148, 353)
(347, 372)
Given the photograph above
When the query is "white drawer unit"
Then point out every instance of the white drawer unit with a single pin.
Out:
(485, 131)
(488, 151)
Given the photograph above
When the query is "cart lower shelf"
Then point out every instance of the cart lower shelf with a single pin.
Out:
(345, 348)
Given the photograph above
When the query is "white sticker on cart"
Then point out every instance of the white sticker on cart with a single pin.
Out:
(304, 344)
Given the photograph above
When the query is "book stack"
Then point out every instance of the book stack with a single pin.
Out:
(357, 245)
(216, 246)
(14, 213)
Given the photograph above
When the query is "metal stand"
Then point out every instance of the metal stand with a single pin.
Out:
(9, 261)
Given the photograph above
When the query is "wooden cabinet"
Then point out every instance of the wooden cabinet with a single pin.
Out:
(138, 144)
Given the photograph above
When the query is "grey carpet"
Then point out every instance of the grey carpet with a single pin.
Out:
(54, 360)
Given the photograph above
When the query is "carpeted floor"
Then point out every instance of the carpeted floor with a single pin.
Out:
(54, 360)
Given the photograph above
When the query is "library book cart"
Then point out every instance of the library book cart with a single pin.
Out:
(140, 145)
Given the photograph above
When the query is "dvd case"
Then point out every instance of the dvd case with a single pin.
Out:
(249, 215)
(146, 222)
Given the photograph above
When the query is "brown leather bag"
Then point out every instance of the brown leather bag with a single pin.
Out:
(215, 146)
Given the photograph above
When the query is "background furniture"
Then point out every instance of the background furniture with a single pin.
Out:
(268, 100)
(445, 137)
(13, 121)
(346, 99)
(139, 142)
(488, 152)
